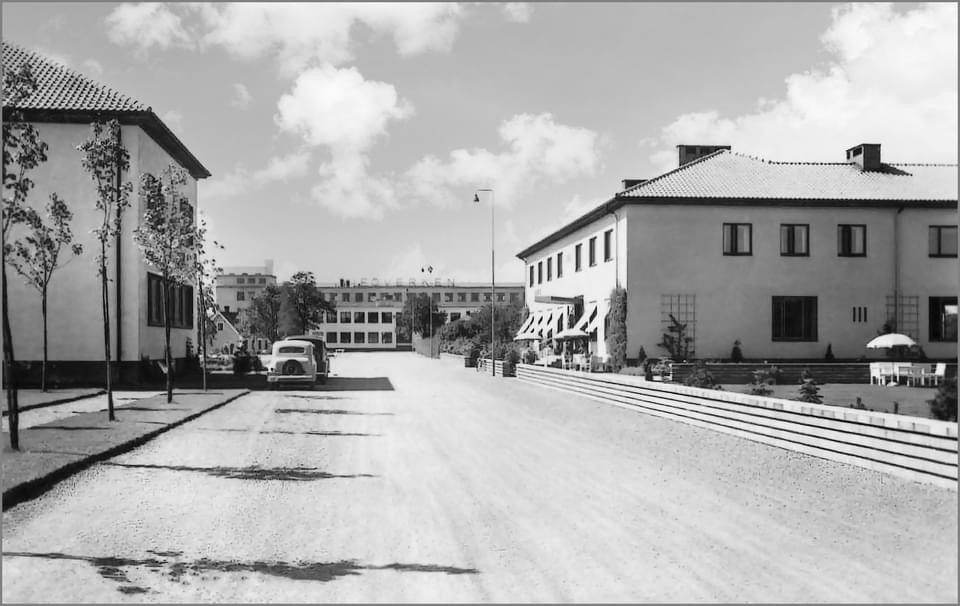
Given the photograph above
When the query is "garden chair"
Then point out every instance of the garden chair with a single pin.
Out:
(938, 375)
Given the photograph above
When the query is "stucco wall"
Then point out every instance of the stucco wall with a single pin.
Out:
(678, 250)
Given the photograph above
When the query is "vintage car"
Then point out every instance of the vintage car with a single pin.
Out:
(320, 354)
(292, 361)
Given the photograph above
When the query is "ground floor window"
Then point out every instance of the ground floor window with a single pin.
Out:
(180, 299)
(943, 319)
(359, 337)
(331, 337)
(373, 338)
(794, 318)
(387, 338)
(345, 337)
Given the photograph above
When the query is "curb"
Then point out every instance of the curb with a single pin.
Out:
(55, 402)
(34, 488)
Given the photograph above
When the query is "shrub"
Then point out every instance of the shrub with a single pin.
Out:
(676, 341)
(701, 377)
(736, 355)
(943, 406)
(641, 357)
(762, 380)
(617, 332)
(809, 388)
(530, 356)
(829, 354)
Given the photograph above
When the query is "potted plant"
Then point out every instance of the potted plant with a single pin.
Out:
(510, 363)
(470, 360)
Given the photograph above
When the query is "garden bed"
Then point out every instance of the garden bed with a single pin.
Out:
(912, 400)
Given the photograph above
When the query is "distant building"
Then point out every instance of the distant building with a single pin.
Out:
(786, 257)
(366, 314)
(237, 286)
(62, 108)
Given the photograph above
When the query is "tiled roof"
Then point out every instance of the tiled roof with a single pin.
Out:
(60, 88)
(727, 175)
(63, 95)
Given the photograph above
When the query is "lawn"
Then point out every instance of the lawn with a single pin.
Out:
(912, 400)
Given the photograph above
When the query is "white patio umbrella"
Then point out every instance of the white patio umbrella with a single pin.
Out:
(527, 336)
(570, 333)
(889, 340)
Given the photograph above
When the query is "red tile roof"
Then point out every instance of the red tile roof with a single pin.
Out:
(63, 95)
(724, 175)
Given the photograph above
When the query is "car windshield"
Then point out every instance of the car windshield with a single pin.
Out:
(290, 349)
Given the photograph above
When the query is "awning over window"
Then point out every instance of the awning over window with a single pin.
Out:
(548, 327)
(597, 316)
(526, 324)
(589, 316)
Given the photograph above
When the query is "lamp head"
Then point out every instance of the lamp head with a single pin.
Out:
(476, 197)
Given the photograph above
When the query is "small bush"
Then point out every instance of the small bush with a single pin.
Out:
(641, 357)
(702, 377)
(633, 371)
(943, 406)
(761, 383)
(809, 388)
(530, 356)
(829, 354)
(736, 355)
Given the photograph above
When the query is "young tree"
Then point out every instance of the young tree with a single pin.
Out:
(617, 334)
(23, 151)
(167, 239)
(38, 256)
(262, 317)
(676, 341)
(303, 303)
(416, 314)
(106, 159)
(206, 270)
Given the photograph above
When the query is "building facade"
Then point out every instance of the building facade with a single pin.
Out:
(237, 286)
(62, 108)
(788, 258)
(367, 313)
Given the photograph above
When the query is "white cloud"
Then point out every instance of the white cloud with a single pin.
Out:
(174, 120)
(537, 148)
(241, 96)
(282, 168)
(146, 25)
(518, 12)
(892, 80)
(238, 181)
(93, 66)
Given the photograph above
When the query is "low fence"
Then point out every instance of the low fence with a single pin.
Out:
(918, 449)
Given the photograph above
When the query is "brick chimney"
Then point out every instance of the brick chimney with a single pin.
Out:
(628, 183)
(866, 156)
(689, 153)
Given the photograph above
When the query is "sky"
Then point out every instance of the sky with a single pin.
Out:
(349, 139)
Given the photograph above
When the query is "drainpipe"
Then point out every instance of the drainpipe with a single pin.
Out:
(896, 269)
(119, 253)
(616, 247)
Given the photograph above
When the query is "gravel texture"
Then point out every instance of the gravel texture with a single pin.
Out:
(414, 480)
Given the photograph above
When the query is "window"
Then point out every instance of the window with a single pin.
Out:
(371, 297)
(448, 297)
(344, 317)
(332, 296)
(514, 297)
(500, 297)
(386, 317)
(578, 257)
(794, 240)
(373, 317)
(261, 280)
(359, 317)
(241, 281)
(531, 275)
(737, 239)
(852, 240)
(486, 297)
(345, 297)
(219, 325)
(331, 317)
(608, 245)
(359, 337)
(345, 337)
(592, 251)
(549, 269)
(943, 319)
(474, 297)
(454, 316)
(373, 338)
(943, 241)
(559, 267)
(435, 296)
(859, 313)
(179, 299)
(331, 337)
(397, 296)
(241, 296)
(794, 318)
(387, 338)
(539, 272)
(386, 296)
(462, 296)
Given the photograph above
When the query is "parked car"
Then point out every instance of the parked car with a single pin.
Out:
(320, 354)
(292, 361)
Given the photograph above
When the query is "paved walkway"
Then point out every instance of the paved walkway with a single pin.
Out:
(32, 398)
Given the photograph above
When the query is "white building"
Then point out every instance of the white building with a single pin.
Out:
(237, 286)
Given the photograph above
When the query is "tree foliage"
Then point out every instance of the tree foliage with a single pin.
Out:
(809, 388)
(676, 341)
(943, 406)
(302, 304)
(37, 256)
(415, 317)
(617, 330)
(206, 270)
(262, 317)
(167, 238)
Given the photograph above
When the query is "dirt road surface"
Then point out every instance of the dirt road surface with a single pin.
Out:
(414, 480)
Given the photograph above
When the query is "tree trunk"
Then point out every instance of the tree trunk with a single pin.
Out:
(43, 364)
(9, 370)
(166, 336)
(203, 332)
(105, 295)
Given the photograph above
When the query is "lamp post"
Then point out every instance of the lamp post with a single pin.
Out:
(493, 355)
(429, 270)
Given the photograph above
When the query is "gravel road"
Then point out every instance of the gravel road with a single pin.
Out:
(414, 480)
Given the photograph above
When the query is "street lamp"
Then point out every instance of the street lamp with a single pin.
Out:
(493, 355)
(429, 269)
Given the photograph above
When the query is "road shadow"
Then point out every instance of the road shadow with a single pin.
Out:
(68, 428)
(342, 384)
(253, 472)
(291, 433)
(169, 565)
(329, 411)
(148, 408)
(293, 395)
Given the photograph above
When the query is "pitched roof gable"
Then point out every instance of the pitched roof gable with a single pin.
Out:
(63, 95)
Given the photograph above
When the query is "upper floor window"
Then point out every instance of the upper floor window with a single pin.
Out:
(539, 272)
(345, 317)
(514, 297)
(462, 296)
(531, 275)
(474, 297)
(373, 317)
(943, 240)
(852, 240)
(241, 281)
(592, 251)
(794, 240)
(737, 239)
(454, 316)
(345, 297)
(435, 297)
(608, 245)
(486, 297)
(559, 264)
(386, 317)
(359, 317)
(448, 297)
(578, 257)
(261, 280)
(241, 296)
(549, 269)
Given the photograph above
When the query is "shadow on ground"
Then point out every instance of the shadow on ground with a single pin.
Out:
(167, 564)
(254, 472)
(328, 411)
(290, 433)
